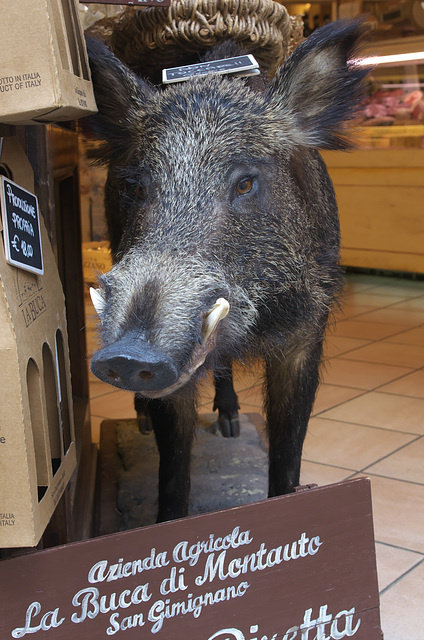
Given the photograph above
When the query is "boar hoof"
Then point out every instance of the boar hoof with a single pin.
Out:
(229, 425)
(144, 423)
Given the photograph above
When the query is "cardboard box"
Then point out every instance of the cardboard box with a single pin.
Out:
(96, 259)
(45, 73)
(37, 442)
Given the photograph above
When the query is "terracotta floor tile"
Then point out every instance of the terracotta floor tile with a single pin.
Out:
(252, 397)
(206, 391)
(252, 408)
(348, 445)
(98, 388)
(250, 400)
(349, 310)
(246, 376)
(92, 344)
(411, 336)
(413, 304)
(403, 355)
(392, 563)
(405, 464)
(399, 287)
(394, 316)
(352, 286)
(206, 406)
(411, 385)
(330, 396)
(397, 413)
(398, 509)
(335, 346)
(366, 330)
(364, 279)
(402, 611)
(369, 298)
(118, 404)
(349, 373)
(321, 474)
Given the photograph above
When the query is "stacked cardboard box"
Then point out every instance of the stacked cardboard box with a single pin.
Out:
(37, 443)
(45, 75)
(96, 259)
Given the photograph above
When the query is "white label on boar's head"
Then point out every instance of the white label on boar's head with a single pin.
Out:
(240, 65)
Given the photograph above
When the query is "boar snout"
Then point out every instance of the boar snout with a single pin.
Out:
(134, 365)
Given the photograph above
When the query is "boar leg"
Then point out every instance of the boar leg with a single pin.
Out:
(174, 424)
(143, 416)
(290, 392)
(226, 402)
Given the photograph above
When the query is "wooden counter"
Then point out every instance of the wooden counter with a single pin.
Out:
(380, 193)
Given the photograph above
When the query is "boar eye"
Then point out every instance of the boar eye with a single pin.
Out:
(139, 192)
(244, 186)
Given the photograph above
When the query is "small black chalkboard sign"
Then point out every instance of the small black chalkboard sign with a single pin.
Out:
(21, 227)
(240, 65)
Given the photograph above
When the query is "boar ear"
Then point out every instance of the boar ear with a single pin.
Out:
(122, 99)
(318, 89)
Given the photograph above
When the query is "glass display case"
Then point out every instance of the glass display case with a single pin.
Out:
(380, 185)
(393, 114)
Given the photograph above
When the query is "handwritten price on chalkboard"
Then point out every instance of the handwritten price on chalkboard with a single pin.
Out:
(26, 248)
(21, 225)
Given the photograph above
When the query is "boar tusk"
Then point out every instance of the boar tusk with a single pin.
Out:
(98, 300)
(215, 314)
(212, 317)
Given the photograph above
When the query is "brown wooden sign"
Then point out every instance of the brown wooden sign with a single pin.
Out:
(299, 567)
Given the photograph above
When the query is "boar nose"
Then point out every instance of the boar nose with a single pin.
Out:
(135, 367)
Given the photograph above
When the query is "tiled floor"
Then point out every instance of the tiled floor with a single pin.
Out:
(368, 419)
